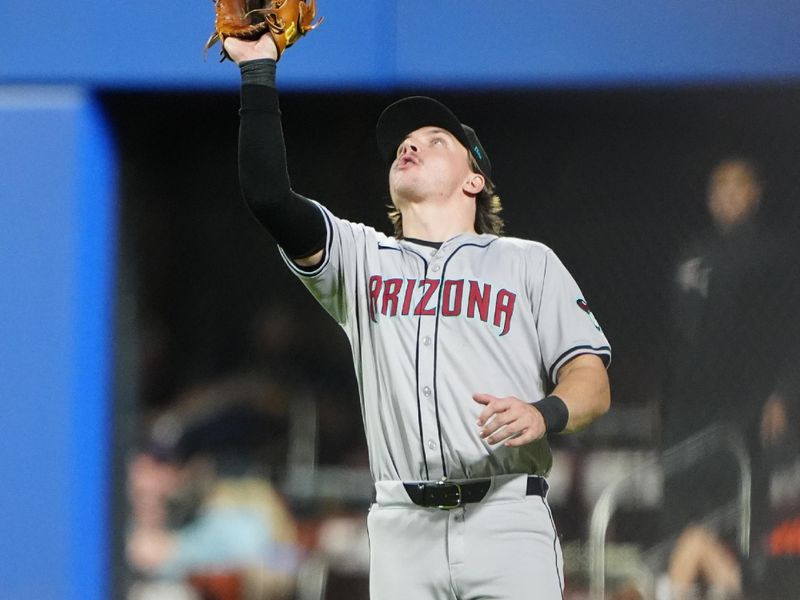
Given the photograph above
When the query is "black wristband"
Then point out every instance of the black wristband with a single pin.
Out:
(260, 71)
(555, 413)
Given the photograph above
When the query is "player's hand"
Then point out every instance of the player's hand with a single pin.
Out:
(508, 419)
(241, 50)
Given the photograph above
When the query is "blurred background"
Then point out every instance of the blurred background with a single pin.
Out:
(179, 417)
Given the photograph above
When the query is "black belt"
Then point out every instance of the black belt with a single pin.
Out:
(452, 494)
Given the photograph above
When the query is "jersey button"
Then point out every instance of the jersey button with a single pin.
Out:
(427, 340)
(426, 391)
(435, 268)
(431, 444)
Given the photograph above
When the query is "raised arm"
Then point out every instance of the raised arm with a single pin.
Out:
(294, 221)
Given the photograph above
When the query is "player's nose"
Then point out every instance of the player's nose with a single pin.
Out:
(407, 145)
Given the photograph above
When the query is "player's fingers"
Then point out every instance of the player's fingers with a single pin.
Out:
(497, 421)
(498, 413)
(484, 398)
(490, 413)
(493, 406)
(530, 433)
(522, 429)
(524, 437)
(503, 433)
(511, 427)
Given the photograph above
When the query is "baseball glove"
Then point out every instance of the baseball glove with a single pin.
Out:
(286, 20)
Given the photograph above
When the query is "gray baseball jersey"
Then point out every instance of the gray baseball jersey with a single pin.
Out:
(431, 327)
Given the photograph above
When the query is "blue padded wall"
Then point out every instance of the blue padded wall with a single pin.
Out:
(56, 267)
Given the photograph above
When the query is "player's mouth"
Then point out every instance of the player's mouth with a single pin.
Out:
(405, 161)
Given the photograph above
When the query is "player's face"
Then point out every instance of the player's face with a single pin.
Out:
(733, 194)
(430, 163)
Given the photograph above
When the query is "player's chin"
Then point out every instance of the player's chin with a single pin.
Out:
(400, 178)
(404, 190)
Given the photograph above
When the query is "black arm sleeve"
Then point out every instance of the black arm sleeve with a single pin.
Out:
(294, 221)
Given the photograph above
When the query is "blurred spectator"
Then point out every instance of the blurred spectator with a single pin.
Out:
(203, 513)
(732, 346)
(734, 362)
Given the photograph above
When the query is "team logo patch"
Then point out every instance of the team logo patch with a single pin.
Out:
(584, 306)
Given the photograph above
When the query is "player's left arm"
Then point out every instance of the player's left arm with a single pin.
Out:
(584, 388)
(583, 394)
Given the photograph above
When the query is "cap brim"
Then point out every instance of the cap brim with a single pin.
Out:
(409, 114)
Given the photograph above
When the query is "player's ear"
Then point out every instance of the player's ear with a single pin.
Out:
(474, 184)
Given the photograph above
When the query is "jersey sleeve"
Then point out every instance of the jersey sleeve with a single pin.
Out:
(333, 282)
(565, 324)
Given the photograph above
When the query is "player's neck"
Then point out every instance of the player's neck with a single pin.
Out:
(437, 222)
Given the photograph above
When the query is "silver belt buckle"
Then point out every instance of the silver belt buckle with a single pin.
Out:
(443, 482)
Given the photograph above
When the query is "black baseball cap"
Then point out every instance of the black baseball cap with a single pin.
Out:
(409, 114)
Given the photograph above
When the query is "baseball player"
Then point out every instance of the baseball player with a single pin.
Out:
(469, 348)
